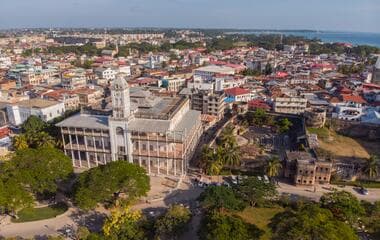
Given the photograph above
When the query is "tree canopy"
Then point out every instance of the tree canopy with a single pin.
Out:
(219, 198)
(221, 226)
(105, 183)
(309, 223)
(173, 223)
(124, 224)
(343, 205)
(255, 191)
(40, 169)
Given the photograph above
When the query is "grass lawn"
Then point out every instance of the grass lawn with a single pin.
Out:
(344, 147)
(261, 218)
(34, 214)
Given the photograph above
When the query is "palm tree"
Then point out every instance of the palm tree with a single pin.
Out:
(227, 137)
(40, 139)
(371, 167)
(273, 167)
(214, 168)
(231, 155)
(206, 157)
(20, 142)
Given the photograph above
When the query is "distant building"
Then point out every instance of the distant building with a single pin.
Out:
(292, 105)
(47, 110)
(376, 72)
(238, 94)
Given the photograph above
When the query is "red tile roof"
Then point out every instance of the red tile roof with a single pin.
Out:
(352, 98)
(236, 91)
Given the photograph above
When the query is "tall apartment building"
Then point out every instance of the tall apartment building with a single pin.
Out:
(292, 105)
(75, 78)
(376, 72)
(209, 103)
(157, 133)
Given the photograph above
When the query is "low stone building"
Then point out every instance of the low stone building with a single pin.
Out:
(304, 169)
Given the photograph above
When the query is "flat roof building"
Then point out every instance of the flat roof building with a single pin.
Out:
(157, 133)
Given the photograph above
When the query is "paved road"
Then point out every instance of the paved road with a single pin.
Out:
(37, 228)
(185, 194)
(374, 194)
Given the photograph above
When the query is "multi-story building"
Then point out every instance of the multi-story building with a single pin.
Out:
(292, 105)
(304, 169)
(209, 103)
(158, 133)
(75, 78)
(105, 73)
(45, 109)
(173, 84)
(376, 72)
(238, 94)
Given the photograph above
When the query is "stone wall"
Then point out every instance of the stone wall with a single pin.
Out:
(356, 129)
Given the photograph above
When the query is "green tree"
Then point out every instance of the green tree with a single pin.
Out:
(82, 233)
(344, 205)
(173, 223)
(20, 142)
(371, 167)
(283, 125)
(13, 196)
(231, 155)
(107, 182)
(220, 198)
(227, 137)
(212, 160)
(309, 223)
(124, 224)
(273, 167)
(255, 191)
(33, 124)
(259, 118)
(40, 169)
(268, 69)
(371, 220)
(221, 226)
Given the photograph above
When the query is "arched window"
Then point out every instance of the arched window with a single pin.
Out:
(119, 131)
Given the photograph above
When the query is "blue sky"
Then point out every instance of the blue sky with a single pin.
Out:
(345, 15)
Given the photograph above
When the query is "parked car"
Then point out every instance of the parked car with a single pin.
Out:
(364, 191)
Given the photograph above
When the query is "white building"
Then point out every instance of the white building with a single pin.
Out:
(207, 72)
(292, 105)
(107, 73)
(157, 133)
(47, 110)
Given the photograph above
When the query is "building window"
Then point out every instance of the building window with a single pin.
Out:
(119, 131)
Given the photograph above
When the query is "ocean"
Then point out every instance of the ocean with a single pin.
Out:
(355, 38)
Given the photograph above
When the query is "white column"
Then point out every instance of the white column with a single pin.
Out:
(158, 156)
(71, 148)
(148, 153)
(76, 137)
(85, 146)
(139, 147)
(174, 160)
(167, 153)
